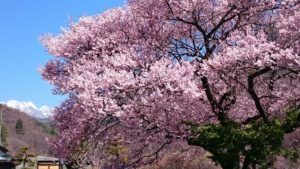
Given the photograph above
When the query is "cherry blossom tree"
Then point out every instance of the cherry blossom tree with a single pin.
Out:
(157, 71)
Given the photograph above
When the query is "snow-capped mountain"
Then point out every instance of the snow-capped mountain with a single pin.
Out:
(30, 108)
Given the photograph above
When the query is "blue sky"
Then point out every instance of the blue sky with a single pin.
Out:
(22, 23)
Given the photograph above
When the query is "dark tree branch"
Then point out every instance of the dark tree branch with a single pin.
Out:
(248, 120)
(225, 96)
(216, 108)
(153, 155)
(222, 21)
(254, 95)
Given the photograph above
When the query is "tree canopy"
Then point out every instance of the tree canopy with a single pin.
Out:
(156, 71)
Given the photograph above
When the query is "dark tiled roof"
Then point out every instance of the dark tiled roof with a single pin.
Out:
(44, 158)
(3, 149)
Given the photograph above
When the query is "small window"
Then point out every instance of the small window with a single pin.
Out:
(43, 167)
(48, 167)
(54, 167)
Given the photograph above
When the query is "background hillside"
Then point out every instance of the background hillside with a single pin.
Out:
(29, 132)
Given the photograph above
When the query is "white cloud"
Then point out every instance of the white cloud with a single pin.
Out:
(30, 108)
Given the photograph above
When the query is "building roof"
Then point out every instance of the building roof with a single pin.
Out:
(4, 150)
(44, 158)
(4, 156)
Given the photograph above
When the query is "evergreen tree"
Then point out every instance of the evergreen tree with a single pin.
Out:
(4, 135)
(19, 127)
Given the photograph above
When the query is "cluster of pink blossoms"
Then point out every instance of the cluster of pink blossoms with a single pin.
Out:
(157, 65)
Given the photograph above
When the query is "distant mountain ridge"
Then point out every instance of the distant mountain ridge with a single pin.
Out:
(33, 134)
(31, 109)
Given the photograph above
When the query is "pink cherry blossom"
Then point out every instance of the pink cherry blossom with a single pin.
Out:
(157, 65)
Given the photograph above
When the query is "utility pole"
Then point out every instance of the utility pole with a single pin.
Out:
(1, 124)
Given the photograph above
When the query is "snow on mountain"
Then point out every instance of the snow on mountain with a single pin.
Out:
(31, 109)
